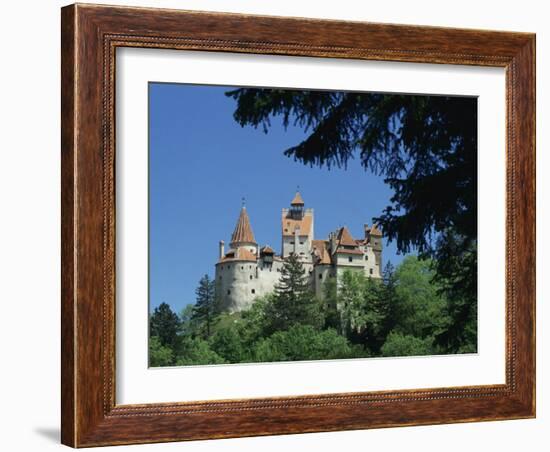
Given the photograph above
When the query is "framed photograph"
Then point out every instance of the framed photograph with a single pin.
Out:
(281, 225)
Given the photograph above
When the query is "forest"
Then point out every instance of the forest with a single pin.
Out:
(406, 313)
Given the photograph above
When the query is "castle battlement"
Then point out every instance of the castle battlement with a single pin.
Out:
(247, 271)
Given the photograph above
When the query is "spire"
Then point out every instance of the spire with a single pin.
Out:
(243, 231)
(297, 200)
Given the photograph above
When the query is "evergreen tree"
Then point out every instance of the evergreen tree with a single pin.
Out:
(165, 324)
(293, 302)
(205, 306)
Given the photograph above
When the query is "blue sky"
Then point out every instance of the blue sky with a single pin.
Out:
(202, 163)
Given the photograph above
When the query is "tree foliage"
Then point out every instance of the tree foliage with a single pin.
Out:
(165, 324)
(196, 351)
(205, 304)
(293, 301)
(403, 314)
(303, 342)
(399, 344)
(159, 355)
(419, 308)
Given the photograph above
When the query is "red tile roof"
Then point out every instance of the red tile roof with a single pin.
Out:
(320, 249)
(243, 231)
(240, 254)
(344, 237)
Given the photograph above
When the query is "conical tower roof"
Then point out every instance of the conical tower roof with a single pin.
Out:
(243, 231)
(297, 200)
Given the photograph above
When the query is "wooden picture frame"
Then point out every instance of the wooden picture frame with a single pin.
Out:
(90, 36)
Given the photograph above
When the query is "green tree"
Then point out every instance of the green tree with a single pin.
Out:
(330, 304)
(189, 325)
(460, 332)
(196, 351)
(363, 308)
(293, 301)
(420, 308)
(398, 344)
(424, 146)
(254, 322)
(389, 298)
(227, 343)
(304, 342)
(164, 324)
(351, 302)
(159, 355)
(205, 306)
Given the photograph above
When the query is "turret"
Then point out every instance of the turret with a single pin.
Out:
(222, 249)
(373, 236)
(297, 207)
(297, 229)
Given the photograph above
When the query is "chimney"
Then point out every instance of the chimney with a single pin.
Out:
(222, 249)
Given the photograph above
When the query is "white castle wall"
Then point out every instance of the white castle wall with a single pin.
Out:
(240, 282)
(370, 263)
(268, 275)
(320, 274)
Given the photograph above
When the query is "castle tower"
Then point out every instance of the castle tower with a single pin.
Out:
(242, 236)
(237, 270)
(373, 236)
(297, 229)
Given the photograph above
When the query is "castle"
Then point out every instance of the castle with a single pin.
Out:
(248, 271)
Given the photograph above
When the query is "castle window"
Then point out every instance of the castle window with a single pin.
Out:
(301, 243)
(350, 259)
(253, 291)
(301, 254)
(320, 276)
(228, 292)
(370, 271)
(250, 276)
(242, 267)
(292, 243)
(366, 257)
